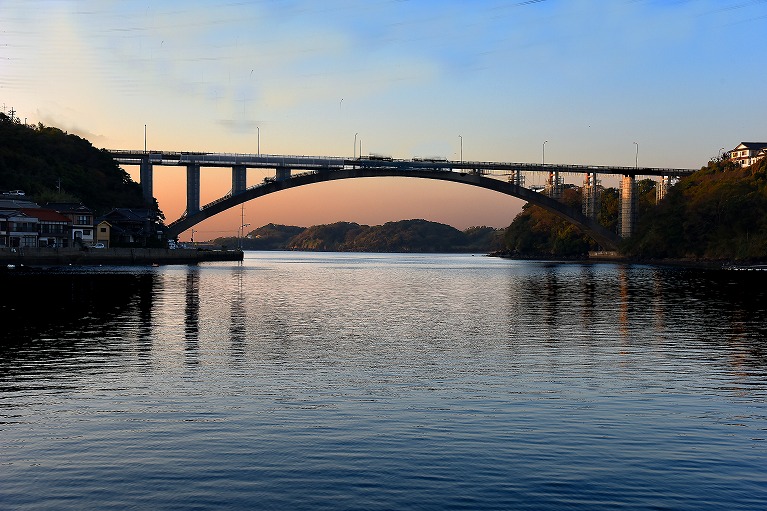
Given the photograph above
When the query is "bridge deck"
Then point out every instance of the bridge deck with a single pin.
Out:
(181, 158)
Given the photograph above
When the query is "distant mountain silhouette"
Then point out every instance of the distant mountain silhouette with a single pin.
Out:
(402, 236)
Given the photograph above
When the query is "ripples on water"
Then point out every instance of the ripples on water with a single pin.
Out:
(353, 381)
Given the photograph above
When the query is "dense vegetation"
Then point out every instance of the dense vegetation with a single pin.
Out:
(720, 213)
(403, 236)
(53, 166)
(537, 233)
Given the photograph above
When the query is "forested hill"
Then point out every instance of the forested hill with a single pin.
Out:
(403, 236)
(50, 165)
(718, 213)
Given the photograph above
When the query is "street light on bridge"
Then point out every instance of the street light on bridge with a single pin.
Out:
(355, 145)
(636, 157)
(258, 137)
(459, 136)
(543, 160)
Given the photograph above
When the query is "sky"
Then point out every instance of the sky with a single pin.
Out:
(667, 83)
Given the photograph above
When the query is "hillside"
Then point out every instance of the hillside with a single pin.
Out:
(403, 236)
(718, 213)
(53, 166)
(539, 234)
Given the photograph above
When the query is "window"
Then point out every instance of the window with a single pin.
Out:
(83, 219)
(103, 229)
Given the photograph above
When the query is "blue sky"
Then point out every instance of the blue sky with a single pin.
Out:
(681, 78)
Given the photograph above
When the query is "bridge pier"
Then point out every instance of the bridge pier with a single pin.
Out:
(239, 179)
(517, 178)
(590, 195)
(145, 176)
(192, 188)
(661, 188)
(283, 173)
(554, 185)
(628, 206)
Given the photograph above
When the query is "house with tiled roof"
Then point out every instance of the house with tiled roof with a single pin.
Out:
(129, 226)
(53, 228)
(17, 229)
(748, 153)
(82, 220)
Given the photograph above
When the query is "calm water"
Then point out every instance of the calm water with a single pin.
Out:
(362, 382)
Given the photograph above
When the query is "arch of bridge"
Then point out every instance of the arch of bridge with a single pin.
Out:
(604, 237)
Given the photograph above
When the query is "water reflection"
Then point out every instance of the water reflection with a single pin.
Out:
(226, 384)
(623, 301)
(52, 317)
(192, 316)
(237, 314)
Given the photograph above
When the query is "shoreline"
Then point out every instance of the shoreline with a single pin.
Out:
(614, 257)
(30, 256)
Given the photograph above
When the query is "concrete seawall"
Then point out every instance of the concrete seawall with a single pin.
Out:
(112, 256)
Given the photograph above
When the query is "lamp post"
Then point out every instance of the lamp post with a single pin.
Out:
(144, 138)
(355, 145)
(258, 136)
(543, 150)
(636, 157)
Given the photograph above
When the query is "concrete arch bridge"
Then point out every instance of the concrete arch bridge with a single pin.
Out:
(292, 171)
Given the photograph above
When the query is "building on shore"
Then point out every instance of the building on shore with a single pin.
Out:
(748, 153)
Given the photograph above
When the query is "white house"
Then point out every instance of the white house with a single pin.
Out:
(748, 153)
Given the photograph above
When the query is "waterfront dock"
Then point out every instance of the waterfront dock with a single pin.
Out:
(30, 256)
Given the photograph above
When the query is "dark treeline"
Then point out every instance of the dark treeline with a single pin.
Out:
(718, 213)
(537, 233)
(403, 236)
(50, 165)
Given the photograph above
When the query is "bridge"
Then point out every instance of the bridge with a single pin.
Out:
(507, 178)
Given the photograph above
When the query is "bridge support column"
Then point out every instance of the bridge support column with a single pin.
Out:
(238, 179)
(628, 206)
(590, 195)
(145, 176)
(517, 178)
(661, 188)
(554, 185)
(283, 173)
(192, 188)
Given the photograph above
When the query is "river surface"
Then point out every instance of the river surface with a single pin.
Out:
(305, 381)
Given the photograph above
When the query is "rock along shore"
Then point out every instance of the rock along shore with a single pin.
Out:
(29, 256)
